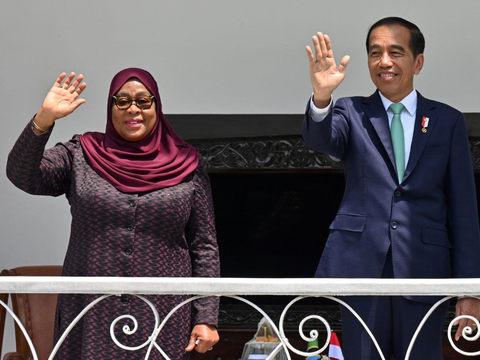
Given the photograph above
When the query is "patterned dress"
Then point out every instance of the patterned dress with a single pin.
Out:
(168, 233)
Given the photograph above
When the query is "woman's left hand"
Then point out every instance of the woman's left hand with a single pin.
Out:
(203, 338)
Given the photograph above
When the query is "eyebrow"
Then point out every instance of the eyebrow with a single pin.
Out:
(141, 93)
(398, 47)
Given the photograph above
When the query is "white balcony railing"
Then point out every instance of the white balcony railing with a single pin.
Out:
(237, 287)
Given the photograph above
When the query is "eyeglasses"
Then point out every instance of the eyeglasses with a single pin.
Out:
(124, 103)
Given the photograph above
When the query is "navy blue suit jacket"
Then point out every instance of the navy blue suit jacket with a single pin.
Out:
(430, 221)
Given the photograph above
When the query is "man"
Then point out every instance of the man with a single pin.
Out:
(409, 208)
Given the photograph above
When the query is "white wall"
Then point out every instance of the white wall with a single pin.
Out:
(209, 56)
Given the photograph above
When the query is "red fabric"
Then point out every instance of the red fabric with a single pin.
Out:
(335, 351)
(159, 160)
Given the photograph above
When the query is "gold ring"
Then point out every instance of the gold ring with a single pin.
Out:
(210, 349)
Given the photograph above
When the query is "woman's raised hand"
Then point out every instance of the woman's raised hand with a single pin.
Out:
(61, 100)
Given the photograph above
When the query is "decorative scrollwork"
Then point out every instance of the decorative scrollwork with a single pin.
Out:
(314, 333)
(126, 329)
(287, 152)
(475, 152)
(466, 333)
(284, 344)
(274, 152)
(420, 326)
(22, 328)
(74, 322)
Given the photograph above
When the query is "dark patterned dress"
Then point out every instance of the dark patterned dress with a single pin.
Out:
(165, 233)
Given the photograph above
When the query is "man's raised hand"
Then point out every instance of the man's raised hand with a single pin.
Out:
(324, 74)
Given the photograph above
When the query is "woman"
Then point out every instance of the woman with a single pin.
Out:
(141, 206)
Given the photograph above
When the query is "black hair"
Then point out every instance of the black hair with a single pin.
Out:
(417, 41)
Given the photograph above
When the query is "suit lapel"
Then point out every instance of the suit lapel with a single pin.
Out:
(424, 109)
(375, 111)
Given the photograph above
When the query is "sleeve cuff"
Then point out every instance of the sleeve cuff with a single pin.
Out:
(317, 114)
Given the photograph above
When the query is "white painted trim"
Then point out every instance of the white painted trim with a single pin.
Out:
(239, 286)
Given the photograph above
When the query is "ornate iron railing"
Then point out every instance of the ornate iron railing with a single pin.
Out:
(237, 287)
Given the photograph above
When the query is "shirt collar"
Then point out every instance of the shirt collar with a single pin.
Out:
(409, 101)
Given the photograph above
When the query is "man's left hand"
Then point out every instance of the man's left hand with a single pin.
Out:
(466, 306)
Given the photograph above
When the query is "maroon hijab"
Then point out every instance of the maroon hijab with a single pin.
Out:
(159, 160)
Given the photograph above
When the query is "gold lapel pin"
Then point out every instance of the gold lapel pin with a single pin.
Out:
(425, 121)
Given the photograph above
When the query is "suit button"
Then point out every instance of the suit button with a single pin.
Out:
(132, 203)
(397, 193)
(128, 251)
(130, 227)
(124, 299)
(394, 225)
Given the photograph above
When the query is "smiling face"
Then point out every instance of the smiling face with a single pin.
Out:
(391, 62)
(133, 124)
